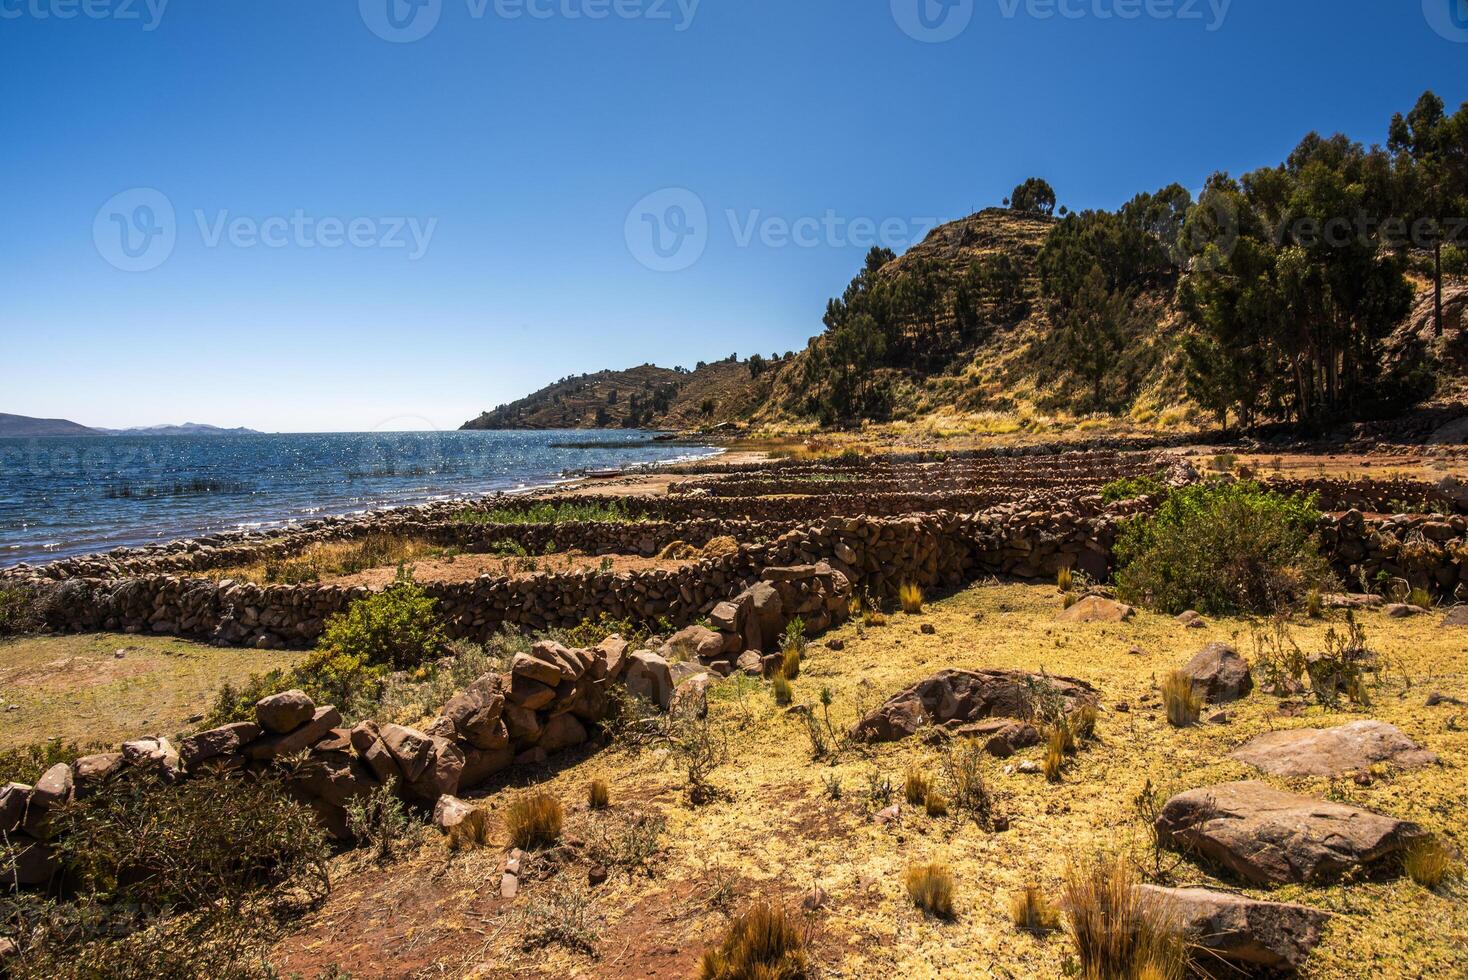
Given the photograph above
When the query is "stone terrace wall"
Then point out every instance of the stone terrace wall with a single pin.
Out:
(1378, 496)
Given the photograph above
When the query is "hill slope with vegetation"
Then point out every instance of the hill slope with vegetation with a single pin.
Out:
(1327, 288)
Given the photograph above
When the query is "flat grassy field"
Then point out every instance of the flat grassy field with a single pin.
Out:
(777, 831)
(103, 688)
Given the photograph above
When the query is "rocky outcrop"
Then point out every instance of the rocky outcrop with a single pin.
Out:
(1333, 751)
(954, 698)
(1244, 933)
(1270, 837)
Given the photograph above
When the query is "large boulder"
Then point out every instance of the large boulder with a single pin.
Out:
(563, 732)
(273, 746)
(224, 740)
(1270, 837)
(476, 714)
(441, 775)
(411, 749)
(954, 698)
(284, 712)
(1096, 609)
(1333, 751)
(693, 643)
(1219, 674)
(527, 668)
(1243, 932)
(648, 676)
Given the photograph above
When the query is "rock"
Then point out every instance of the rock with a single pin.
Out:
(1352, 601)
(225, 740)
(313, 731)
(527, 668)
(610, 658)
(14, 798)
(766, 620)
(692, 695)
(1437, 697)
(445, 766)
(1333, 751)
(648, 677)
(1243, 931)
(153, 752)
(1094, 609)
(475, 714)
(751, 663)
(890, 815)
(1457, 616)
(284, 712)
(1218, 718)
(53, 788)
(693, 643)
(530, 693)
(480, 764)
(411, 749)
(927, 629)
(1027, 766)
(1192, 620)
(335, 777)
(91, 771)
(1401, 610)
(957, 697)
(1219, 674)
(562, 732)
(524, 725)
(450, 811)
(836, 645)
(33, 863)
(682, 671)
(1270, 837)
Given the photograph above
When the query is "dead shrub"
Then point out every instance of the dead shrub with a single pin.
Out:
(534, 822)
(761, 944)
(1032, 911)
(1183, 702)
(1118, 931)
(963, 763)
(560, 915)
(930, 886)
(629, 843)
(379, 822)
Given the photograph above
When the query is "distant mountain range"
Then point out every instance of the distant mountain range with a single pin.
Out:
(25, 427)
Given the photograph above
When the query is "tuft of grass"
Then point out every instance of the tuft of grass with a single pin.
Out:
(1070, 599)
(1117, 930)
(1315, 604)
(1032, 911)
(1055, 752)
(598, 794)
(910, 595)
(917, 787)
(1184, 703)
(1420, 598)
(1065, 579)
(930, 886)
(761, 943)
(936, 805)
(1082, 723)
(534, 822)
(790, 665)
(784, 692)
(472, 832)
(1431, 863)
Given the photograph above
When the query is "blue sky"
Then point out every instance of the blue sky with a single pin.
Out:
(518, 138)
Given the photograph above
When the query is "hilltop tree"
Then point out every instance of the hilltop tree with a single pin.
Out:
(1093, 331)
(1034, 196)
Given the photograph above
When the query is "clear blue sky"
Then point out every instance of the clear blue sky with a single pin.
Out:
(523, 143)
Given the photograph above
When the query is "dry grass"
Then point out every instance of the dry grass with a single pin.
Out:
(534, 822)
(1118, 932)
(1032, 911)
(1056, 738)
(1431, 864)
(1082, 723)
(784, 692)
(761, 944)
(598, 794)
(471, 832)
(333, 559)
(1183, 702)
(1065, 579)
(790, 665)
(910, 595)
(935, 805)
(930, 886)
(916, 787)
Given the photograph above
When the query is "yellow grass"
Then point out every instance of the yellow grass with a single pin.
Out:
(930, 886)
(910, 595)
(534, 822)
(1032, 911)
(1182, 700)
(598, 794)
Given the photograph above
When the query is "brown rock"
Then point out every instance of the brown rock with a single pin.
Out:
(14, 798)
(225, 740)
(33, 863)
(526, 667)
(313, 731)
(91, 771)
(1095, 609)
(1457, 616)
(693, 643)
(1333, 751)
(411, 749)
(335, 777)
(445, 766)
(562, 732)
(53, 788)
(1271, 837)
(955, 698)
(1242, 931)
(692, 695)
(480, 764)
(1219, 674)
(529, 693)
(284, 712)
(450, 811)
(648, 676)
(610, 658)
(524, 725)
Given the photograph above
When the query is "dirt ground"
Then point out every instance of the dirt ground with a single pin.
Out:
(779, 829)
(468, 567)
(103, 688)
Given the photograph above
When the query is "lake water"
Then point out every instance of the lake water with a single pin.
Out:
(71, 496)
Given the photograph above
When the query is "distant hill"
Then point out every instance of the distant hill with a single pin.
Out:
(646, 396)
(187, 429)
(25, 427)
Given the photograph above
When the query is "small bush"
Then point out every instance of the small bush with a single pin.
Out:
(1315, 604)
(1431, 863)
(1183, 702)
(1031, 911)
(761, 944)
(598, 795)
(379, 822)
(561, 915)
(784, 693)
(910, 595)
(19, 611)
(398, 627)
(629, 843)
(1132, 487)
(930, 886)
(964, 768)
(1117, 930)
(26, 763)
(534, 822)
(1222, 548)
(698, 746)
(916, 787)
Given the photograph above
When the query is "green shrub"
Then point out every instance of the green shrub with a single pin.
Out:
(19, 611)
(1222, 548)
(26, 763)
(1132, 487)
(194, 879)
(550, 512)
(398, 627)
